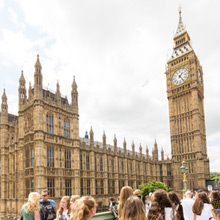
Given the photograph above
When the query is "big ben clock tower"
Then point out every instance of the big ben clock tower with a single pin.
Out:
(185, 93)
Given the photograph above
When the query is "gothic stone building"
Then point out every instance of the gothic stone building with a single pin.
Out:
(41, 148)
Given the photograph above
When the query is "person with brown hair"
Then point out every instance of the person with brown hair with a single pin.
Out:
(47, 207)
(64, 211)
(161, 207)
(125, 193)
(215, 201)
(30, 210)
(84, 208)
(175, 200)
(202, 209)
(133, 209)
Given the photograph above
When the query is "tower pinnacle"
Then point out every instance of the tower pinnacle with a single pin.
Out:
(181, 27)
(4, 105)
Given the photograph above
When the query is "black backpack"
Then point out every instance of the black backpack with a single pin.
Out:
(115, 209)
(47, 211)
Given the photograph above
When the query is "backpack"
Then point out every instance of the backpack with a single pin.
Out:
(115, 209)
(47, 211)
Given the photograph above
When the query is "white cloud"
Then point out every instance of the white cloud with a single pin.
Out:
(214, 152)
(13, 15)
(114, 48)
(1, 4)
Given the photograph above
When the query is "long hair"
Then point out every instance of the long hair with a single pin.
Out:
(74, 198)
(174, 198)
(133, 209)
(198, 205)
(125, 193)
(60, 210)
(33, 202)
(159, 202)
(82, 207)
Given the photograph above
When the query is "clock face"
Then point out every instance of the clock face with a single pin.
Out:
(180, 76)
(200, 76)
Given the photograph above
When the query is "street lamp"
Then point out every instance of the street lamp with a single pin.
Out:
(184, 171)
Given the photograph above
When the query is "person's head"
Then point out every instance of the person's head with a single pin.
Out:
(214, 195)
(188, 194)
(159, 201)
(33, 202)
(174, 198)
(200, 190)
(64, 204)
(125, 193)
(85, 207)
(133, 209)
(45, 195)
(200, 199)
(111, 199)
(73, 199)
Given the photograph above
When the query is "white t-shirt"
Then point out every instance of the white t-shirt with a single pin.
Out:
(206, 212)
(169, 213)
(187, 208)
(64, 215)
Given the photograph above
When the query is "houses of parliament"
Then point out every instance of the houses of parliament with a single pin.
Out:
(41, 148)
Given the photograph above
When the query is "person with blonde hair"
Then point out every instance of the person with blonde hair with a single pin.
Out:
(63, 212)
(30, 210)
(73, 199)
(125, 193)
(133, 209)
(84, 208)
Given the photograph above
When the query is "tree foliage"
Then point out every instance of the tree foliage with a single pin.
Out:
(152, 186)
(214, 176)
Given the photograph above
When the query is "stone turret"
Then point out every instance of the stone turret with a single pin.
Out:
(147, 153)
(133, 148)
(155, 151)
(162, 154)
(74, 95)
(22, 98)
(58, 94)
(38, 79)
(91, 134)
(140, 150)
(29, 92)
(115, 144)
(4, 109)
(125, 146)
(104, 140)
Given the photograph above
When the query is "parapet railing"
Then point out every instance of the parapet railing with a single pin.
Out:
(103, 216)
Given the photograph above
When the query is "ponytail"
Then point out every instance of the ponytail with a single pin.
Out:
(81, 208)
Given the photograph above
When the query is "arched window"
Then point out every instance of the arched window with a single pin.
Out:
(67, 128)
(50, 123)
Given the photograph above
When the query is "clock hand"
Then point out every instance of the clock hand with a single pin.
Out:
(181, 78)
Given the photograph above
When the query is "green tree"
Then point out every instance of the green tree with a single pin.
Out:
(152, 186)
(214, 176)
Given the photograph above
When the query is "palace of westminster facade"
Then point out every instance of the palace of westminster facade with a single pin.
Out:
(41, 148)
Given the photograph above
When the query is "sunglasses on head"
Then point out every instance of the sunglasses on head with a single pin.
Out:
(44, 195)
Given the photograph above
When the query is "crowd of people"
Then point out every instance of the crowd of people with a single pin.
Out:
(161, 205)
(158, 205)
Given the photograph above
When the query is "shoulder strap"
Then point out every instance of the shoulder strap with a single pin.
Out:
(177, 207)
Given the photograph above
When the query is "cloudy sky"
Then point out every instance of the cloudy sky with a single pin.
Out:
(117, 50)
